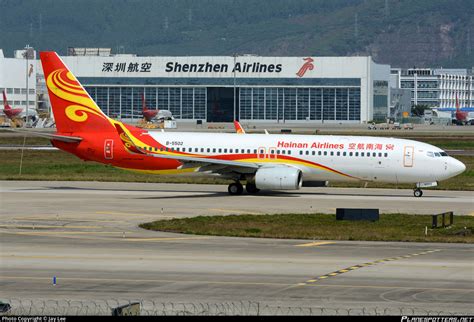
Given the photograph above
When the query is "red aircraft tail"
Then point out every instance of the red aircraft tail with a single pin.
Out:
(144, 108)
(5, 102)
(74, 110)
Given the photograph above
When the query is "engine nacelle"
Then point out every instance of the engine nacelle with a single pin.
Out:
(279, 178)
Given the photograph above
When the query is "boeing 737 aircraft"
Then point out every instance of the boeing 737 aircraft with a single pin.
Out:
(262, 161)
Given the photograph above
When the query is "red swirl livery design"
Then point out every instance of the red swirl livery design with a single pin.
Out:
(258, 161)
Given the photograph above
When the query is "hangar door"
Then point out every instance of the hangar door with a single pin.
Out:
(220, 104)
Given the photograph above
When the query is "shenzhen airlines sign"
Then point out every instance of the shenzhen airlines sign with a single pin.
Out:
(207, 66)
(308, 65)
(175, 67)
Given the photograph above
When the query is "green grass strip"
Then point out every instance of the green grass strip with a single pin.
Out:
(390, 227)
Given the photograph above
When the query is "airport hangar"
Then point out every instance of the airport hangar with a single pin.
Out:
(270, 89)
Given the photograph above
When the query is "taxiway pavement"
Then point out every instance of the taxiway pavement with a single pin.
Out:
(86, 234)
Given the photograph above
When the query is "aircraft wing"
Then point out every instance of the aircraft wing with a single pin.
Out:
(188, 161)
(51, 136)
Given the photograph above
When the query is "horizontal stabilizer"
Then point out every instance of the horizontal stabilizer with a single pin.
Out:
(51, 136)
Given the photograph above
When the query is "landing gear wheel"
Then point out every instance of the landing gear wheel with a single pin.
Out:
(235, 188)
(417, 192)
(251, 188)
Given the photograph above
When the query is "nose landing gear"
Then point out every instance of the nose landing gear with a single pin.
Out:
(417, 192)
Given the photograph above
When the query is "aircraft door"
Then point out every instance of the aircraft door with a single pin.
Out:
(272, 153)
(109, 149)
(408, 154)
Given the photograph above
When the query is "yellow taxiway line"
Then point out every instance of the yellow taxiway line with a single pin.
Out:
(314, 244)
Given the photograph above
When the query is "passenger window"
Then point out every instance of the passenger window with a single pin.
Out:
(374, 154)
(214, 150)
(307, 152)
(386, 155)
(225, 150)
(230, 150)
(289, 152)
(301, 152)
(177, 149)
(380, 154)
(278, 151)
(325, 152)
(255, 151)
(195, 149)
(332, 153)
(368, 154)
(167, 149)
(357, 154)
(338, 153)
(350, 154)
(344, 153)
(362, 154)
(220, 150)
(242, 151)
(319, 152)
(313, 153)
(161, 149)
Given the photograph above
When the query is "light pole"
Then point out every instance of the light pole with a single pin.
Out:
(235, 92)
(27, 52)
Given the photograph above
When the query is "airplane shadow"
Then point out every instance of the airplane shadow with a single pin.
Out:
(223, 193)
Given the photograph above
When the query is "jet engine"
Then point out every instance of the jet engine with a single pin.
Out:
(279, 178)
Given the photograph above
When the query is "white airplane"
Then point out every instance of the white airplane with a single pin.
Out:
(263, 161)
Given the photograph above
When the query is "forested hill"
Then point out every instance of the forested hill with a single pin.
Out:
(403, 33)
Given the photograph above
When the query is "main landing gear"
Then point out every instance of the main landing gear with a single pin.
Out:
(251, 188)
(236, 188)
(417, 192)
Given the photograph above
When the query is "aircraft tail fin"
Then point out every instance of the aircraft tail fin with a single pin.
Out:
(5, 102)
(74, 110)
(144, 108)
(238, 128)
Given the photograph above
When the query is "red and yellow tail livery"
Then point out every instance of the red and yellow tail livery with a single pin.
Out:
(74, 110)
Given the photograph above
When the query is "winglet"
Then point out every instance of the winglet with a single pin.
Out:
(238, 128)
(127, 141)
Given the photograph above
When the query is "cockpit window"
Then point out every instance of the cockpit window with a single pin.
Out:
(432, 154)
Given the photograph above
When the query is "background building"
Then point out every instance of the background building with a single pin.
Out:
(436, 87)
(224, 88)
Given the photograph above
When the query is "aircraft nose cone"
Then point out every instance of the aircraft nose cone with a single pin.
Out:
(457, 167)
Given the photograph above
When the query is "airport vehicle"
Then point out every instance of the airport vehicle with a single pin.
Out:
(263, 161)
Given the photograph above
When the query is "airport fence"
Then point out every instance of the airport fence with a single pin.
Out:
(156, 308)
